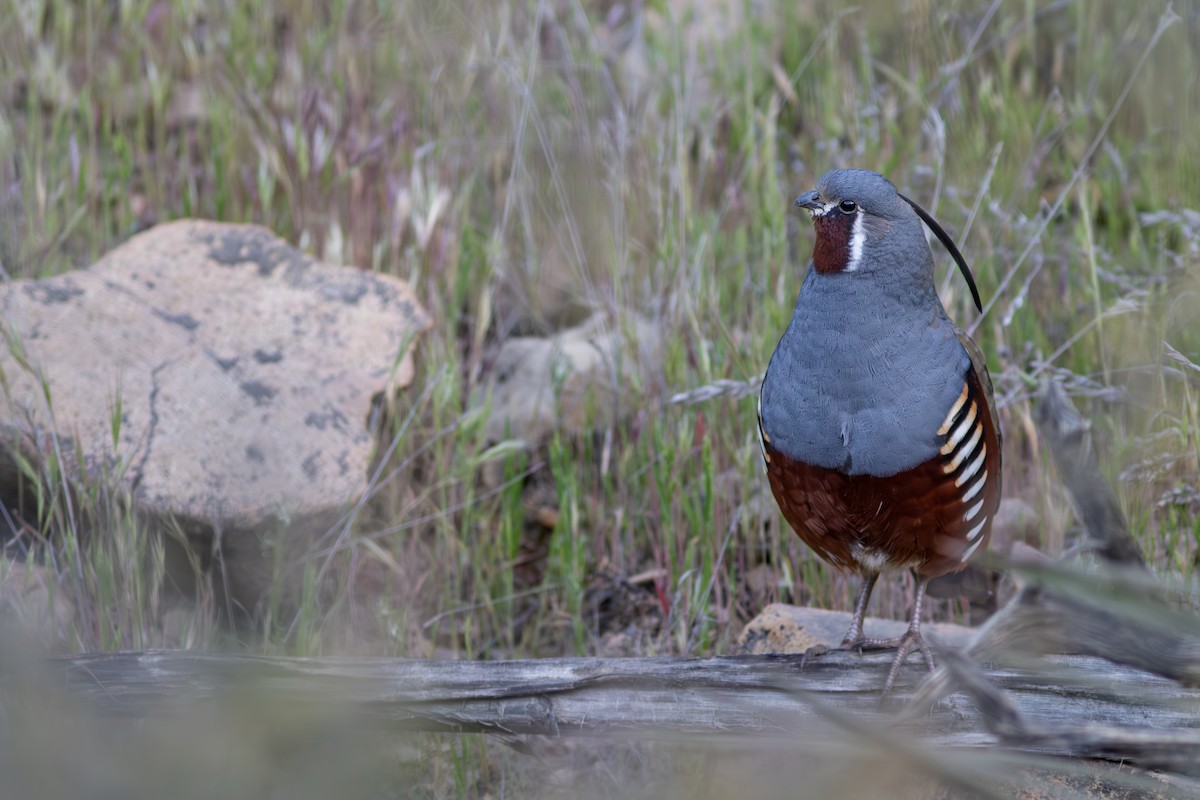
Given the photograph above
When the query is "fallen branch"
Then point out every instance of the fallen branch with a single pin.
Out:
(750, 695)
(1069, 439)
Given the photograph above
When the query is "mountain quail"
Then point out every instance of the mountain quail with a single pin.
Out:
(876, 416)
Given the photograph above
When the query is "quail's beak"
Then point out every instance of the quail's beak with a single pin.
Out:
(809, 202)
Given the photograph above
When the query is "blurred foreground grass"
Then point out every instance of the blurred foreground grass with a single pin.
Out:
(523, 162)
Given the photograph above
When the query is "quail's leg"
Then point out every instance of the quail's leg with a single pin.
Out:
(912, 637)
(854, 636)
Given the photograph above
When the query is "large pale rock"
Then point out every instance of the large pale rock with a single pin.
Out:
(217, 374)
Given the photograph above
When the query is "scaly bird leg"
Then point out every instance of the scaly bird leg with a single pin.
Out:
(854, 636)
(911, 638)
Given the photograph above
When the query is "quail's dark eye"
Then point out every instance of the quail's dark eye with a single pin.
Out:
(848, 206)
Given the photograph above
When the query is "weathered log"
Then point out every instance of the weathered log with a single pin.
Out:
(749, 695)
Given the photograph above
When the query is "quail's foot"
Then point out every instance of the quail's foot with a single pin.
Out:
(855, 634)
(904, 645)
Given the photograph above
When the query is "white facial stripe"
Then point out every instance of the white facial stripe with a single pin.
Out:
(973, 468)
(967, 450)
(858, 238)
(963, 428)
(958, 404)
(975, 487)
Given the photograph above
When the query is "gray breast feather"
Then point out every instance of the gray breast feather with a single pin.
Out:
(855, 389)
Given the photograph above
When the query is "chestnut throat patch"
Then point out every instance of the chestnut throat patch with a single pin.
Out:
(832, 251)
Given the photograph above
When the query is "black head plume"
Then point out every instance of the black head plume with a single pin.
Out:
(941, 234)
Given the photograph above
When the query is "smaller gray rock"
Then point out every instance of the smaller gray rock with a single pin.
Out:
(540, 385)
(1016, 521)
(782, 629)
